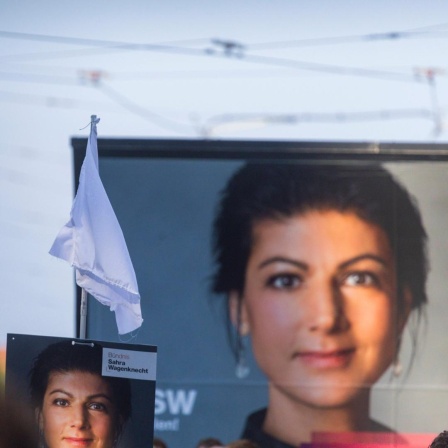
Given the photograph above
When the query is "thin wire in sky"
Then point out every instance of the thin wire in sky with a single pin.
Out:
(241, 55)
(230, 122)
(143, 112)
(338, 40)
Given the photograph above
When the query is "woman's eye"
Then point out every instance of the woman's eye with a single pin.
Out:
(97, 407)
(284, 281)
(62, 402)
(361, 279)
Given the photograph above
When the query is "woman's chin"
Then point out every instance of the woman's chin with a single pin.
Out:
(324, 396)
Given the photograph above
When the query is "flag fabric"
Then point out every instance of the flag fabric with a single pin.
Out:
(93, 243)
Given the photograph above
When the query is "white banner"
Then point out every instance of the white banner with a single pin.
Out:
(129, 364)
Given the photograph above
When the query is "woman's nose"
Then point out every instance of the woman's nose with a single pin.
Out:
(326, 312)
(80, 417)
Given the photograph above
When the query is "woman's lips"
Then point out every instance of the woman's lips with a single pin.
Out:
(78, 441)
(326, 359)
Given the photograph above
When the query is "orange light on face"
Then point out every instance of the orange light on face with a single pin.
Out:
(78, 411)
(320, 304)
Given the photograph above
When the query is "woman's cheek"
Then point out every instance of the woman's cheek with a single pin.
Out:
(273, 319)
(372, 316)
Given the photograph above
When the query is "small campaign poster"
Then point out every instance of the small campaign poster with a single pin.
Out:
(83, 392)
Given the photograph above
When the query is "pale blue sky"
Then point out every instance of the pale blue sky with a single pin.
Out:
(46, 98)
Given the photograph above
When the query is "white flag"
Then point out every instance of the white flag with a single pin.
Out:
(93, 243)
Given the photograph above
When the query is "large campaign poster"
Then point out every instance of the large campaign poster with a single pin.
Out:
(82, 392)
(166, 197)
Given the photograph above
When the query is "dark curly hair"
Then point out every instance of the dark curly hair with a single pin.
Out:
(441, 441)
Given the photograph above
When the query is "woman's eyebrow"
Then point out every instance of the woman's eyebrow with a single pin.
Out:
(60, 391)
(362, 257)
(107, 397)
(296, 263)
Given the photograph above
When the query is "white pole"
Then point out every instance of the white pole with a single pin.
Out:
(83, 315)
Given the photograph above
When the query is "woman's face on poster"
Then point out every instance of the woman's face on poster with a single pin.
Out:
(78, 411)
(320, 303)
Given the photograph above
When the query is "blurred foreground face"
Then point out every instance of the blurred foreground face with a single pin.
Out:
(78, 411)
(320, 304)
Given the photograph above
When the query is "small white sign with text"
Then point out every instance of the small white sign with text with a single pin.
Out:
(131, 364)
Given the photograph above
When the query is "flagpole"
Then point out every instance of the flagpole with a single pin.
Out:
(83, 306)
(83, 315)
